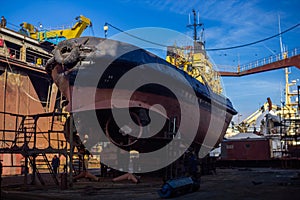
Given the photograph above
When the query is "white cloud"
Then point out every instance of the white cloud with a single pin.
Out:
(227, 22)
(235, 22)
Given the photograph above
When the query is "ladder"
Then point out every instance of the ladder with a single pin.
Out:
(35, 171)
(25, 131)
(54, 177)
(42, 162)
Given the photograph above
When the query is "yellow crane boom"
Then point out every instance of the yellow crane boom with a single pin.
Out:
(48, 35)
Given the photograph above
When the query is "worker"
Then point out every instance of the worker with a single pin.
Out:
(190, 163)
(55, 164)
(3, 22)
(285, 55)
(12, 55)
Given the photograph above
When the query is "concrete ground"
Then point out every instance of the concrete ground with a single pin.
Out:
(234, 183)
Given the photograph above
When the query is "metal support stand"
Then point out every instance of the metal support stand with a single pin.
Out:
(71, 151)
(1, 169)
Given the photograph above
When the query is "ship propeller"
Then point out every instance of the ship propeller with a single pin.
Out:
(122, 136)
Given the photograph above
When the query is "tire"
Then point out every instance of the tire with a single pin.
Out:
(67, 54)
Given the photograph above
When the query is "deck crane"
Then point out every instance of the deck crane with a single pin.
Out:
(252, 119)
(55, 36)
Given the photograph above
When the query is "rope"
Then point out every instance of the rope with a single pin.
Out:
(31, 97)
(258, 41)
(148, 41)
(34, 99)
(214, 49)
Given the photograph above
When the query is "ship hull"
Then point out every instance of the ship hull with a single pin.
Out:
(208, 123)
(191, 111)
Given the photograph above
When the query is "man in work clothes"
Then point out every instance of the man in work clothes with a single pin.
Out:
(55, 164)
(3, 22)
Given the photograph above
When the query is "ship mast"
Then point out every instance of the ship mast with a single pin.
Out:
(194, 60)
(195, 25)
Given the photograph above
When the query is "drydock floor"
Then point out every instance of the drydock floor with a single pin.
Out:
(234, 183)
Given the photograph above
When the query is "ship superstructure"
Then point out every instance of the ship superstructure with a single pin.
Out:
(194, 59)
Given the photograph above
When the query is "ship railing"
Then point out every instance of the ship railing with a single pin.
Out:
(17, 28)
(268, 60)
(260, 62)
(60, 27)
(226, 68)
(13, 27)
(31, 59)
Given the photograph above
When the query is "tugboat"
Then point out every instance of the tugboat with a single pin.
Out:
(88, 56)
(90, 73)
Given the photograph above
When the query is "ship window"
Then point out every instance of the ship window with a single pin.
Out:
(13, 49)
(247, 145)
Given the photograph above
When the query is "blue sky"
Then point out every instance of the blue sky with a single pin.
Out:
(227, 23)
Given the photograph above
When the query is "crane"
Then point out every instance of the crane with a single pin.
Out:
(55, 36)
(251, 120)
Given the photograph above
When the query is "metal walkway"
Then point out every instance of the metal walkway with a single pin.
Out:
(286, 59)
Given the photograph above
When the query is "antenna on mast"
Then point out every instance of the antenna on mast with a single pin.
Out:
(280, 37)
(195, 25)
(286, 69)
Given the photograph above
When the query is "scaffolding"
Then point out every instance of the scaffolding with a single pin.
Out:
(290, 130)
(36, 138)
